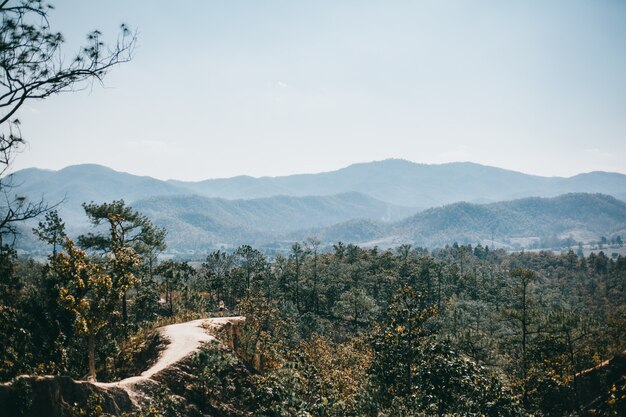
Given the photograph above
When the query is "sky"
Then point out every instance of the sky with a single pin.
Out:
(265, 88)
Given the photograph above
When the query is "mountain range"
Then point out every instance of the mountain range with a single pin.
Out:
(406, 183)
(394, 181)
(362, 203)
(516, 223)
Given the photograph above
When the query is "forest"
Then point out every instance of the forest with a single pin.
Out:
(335, 331)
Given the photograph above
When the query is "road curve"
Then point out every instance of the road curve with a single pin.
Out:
(184, 339)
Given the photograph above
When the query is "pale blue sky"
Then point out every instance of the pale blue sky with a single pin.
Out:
(221, 88)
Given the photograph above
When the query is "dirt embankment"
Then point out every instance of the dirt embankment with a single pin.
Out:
(57, 396)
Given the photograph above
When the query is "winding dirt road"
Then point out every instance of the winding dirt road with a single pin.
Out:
(184, 339)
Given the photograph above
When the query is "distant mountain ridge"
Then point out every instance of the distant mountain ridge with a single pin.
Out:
(407, 183)
(394, 181)
(362, 203)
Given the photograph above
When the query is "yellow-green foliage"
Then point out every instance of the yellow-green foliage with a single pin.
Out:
(88, 290)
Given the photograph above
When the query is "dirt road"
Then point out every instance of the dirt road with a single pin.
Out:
(184, 339)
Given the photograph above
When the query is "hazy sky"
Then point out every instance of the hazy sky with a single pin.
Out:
(222, 88)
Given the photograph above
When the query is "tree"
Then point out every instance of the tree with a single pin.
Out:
(15, 209)
(523, 314)
(10, 288)
(557, 356)
(215, 270)
(130, 235)
(332, 376)
(89, 293)
(404, 251)
(356, 304)
(51, 230)
(176, 276)
(297, 256)
(251, 261)
(395, 343)
(126, 228)
(267, 333)
(312, 245)
(32, 67)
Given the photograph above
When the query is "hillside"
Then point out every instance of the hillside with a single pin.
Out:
(583, 216)
(194, 222)
(77, 184)
(197, 223)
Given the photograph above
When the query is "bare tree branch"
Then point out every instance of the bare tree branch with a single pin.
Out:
(33, 68)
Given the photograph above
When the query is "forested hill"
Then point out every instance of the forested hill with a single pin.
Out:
(195, 222)
(198, 223)
(393, 181)
(583, 216)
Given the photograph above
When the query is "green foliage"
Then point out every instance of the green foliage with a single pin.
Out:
(216, 274)
(126, 228)
(137, 353)
(177, 282)
(23, 396)
(146, 306)
(51, 231)
(320, 378)
(334, 375)
(279, 394)
(93, 407)
(268, 333)
(396, 344)
(413, 372)
(356, 304)
(217, 380)
(89, 295)
(161, 403)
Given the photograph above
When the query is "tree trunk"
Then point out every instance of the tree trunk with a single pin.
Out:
(170, 291)
(298, 285)
(92, 360)
(316, 303)
(124, 312)
(570, 354)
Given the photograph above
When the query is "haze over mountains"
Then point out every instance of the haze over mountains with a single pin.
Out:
(361, 203)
